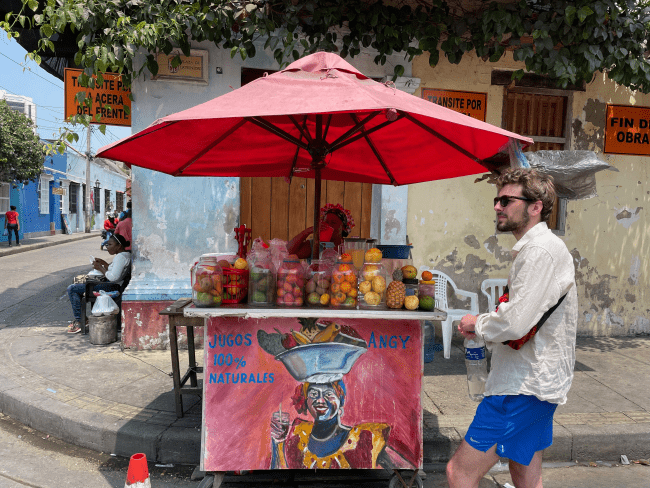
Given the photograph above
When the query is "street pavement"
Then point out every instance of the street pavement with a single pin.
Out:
(121, 401)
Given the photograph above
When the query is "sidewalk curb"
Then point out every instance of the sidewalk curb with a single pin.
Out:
(182, 445)
(5, 251)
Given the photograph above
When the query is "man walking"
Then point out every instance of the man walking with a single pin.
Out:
(12, 224)
(532, 366)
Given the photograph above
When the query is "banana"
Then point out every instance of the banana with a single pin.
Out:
(328, 333)
(300, 337)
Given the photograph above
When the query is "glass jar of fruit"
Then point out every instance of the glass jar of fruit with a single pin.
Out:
(317, 287)
(427, 294)
(207, 282)
(261, 281)
(290, 289)
(372, 286)
(343, 288)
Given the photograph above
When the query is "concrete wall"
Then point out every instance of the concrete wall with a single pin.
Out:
(452, 222)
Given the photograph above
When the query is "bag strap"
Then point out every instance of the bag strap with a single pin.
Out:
(517, 344)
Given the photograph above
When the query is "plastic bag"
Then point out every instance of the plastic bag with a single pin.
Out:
(259, 247)
(278, 251)
(573, 172)
(5, 232)
(104, 305)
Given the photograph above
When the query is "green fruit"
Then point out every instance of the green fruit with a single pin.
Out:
(427, 302)
(259, 296)
(204, 298)
(216, 300)
(313, 298)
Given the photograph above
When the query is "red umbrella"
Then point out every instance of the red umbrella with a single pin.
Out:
(318, 118)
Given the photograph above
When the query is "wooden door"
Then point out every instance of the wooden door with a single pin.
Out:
(275, 209)
(542, 117)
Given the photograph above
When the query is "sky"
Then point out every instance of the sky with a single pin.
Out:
(24, 77)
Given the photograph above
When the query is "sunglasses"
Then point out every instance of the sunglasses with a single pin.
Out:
(505, 200)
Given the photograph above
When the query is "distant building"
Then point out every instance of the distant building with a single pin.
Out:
(21, 104)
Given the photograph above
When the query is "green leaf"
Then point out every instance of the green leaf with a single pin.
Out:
(584, 12)
(570, 14)
(398, 70)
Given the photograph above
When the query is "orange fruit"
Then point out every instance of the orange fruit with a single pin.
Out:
(373, 255)
(339, 297)
(346, 257)
(335, 287)
(324, 299)
(346, 287)
(241, 263)
(351, 278)
(337, 277)
(353, 292)
(344, 267)
(427, 275)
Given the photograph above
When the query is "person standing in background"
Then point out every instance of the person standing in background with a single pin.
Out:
(12, 224)
(124, 227)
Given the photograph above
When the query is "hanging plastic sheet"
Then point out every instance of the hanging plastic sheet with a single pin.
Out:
(573, 172)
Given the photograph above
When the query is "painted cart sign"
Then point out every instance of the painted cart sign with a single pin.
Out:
(627, 130)
(288, 393)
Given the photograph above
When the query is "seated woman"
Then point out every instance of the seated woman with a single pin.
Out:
(113, 273)
(333, 217)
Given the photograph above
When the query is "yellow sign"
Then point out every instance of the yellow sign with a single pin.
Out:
(193, 68)
(468, 103)
(627, 130)
(111, 93)
(58, 191)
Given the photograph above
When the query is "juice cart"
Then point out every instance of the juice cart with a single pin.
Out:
(351, 402)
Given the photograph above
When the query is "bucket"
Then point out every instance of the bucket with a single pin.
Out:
(102, 329)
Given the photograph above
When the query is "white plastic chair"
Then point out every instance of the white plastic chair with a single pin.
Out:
(493, 288)
(453, 314)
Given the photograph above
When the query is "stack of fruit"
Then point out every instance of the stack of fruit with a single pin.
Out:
(319, 279)
(262, 284)
(372, 287)
(207, 287)
(290, 284)
(396, 293)
(343, 289)
(235, 277)
(427, 291)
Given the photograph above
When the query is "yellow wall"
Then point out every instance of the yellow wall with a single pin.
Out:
(451, 222)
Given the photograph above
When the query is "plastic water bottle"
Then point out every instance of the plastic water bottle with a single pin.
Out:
(476, 367)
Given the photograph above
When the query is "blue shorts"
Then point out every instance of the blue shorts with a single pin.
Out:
(520, 425)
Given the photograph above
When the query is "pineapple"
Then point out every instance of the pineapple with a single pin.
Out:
(395, 294)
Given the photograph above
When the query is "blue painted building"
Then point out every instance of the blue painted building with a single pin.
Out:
(59, 191)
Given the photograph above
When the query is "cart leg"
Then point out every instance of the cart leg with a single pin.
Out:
(212, 480)
(410, 479)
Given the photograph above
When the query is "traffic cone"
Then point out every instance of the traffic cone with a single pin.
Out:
(138, 474)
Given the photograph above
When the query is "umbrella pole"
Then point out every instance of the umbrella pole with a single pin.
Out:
(317, 189)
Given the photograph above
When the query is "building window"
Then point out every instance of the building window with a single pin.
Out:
(96, 199)
(44, 194)
(542, 117)
(74, 197)
(108, 206)
(119, 201)
(5, 192)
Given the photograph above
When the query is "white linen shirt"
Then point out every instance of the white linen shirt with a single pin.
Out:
(117, 269)
(542, 272)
